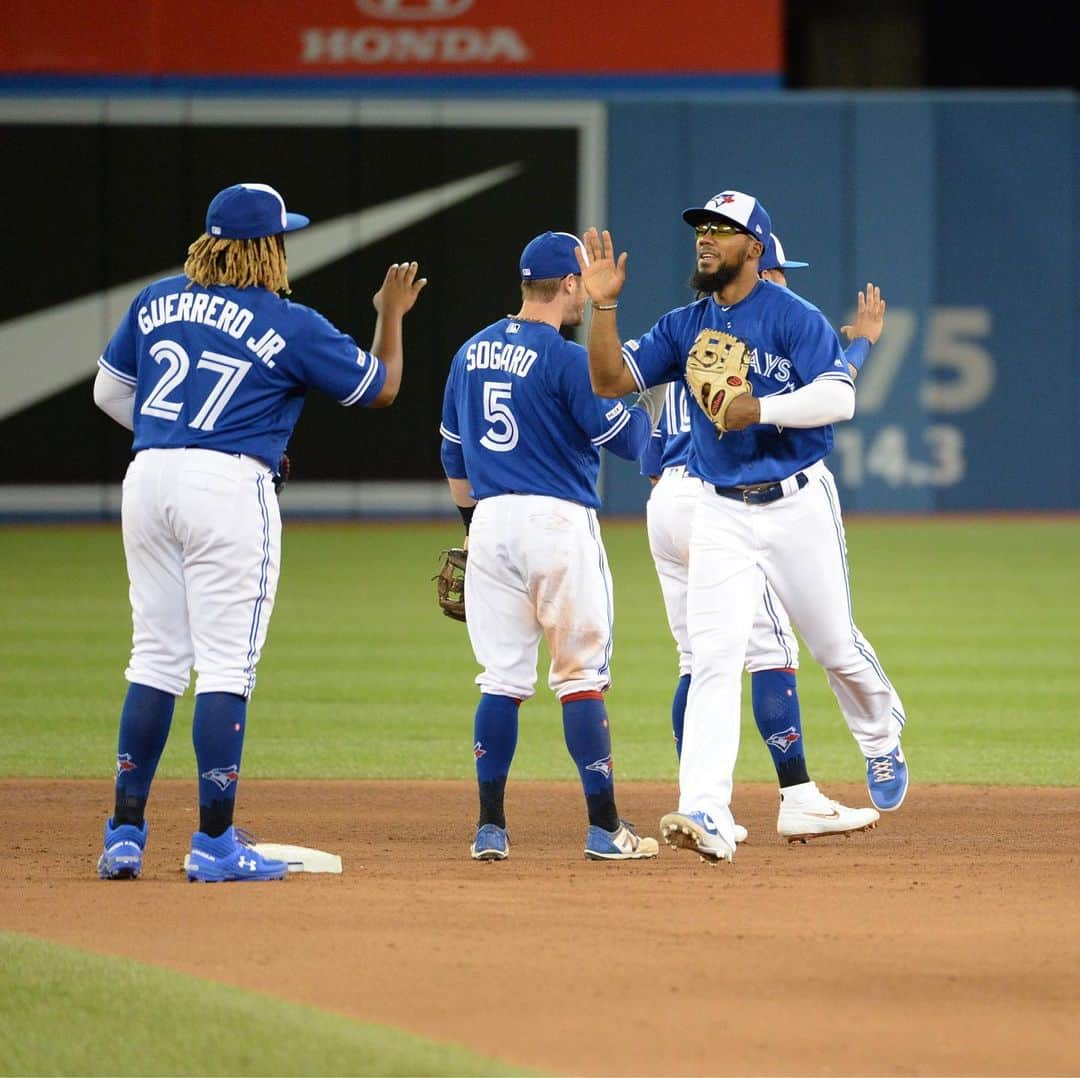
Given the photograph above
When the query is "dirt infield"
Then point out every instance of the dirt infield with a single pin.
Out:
(947, 941)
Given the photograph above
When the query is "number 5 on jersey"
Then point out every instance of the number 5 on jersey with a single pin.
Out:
(502, 435)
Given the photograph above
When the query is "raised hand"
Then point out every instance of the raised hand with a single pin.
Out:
(869, 320)
(602, 275)
(399, 289)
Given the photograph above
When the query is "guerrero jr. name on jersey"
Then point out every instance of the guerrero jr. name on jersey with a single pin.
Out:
(213, 311)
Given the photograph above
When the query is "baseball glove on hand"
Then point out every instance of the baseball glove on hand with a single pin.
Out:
(281, 476)
(450, 583)
(716, 372)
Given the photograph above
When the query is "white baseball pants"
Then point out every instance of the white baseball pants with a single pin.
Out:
(202, 537)
(669, 513)
(797, 544)
(538, 564)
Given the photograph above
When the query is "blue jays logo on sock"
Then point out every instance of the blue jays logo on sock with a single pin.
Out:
(222, 777)
(478, 750)
(124, 762)
(784, 739)
(605, 766)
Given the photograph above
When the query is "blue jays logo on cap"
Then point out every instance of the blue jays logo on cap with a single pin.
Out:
(551, 254)
(742, 210)
(247, 211)
(775, 258)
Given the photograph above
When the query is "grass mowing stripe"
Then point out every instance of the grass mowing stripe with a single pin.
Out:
(69, 1012)
(362, 676)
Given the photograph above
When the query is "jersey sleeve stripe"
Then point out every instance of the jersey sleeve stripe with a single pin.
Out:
(125, 378)
(835, 376)
(635, 372)
(368, 378)
(449, 435)
(613, 429)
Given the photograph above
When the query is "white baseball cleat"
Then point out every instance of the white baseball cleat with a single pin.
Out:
(696, 831)
(805, 813)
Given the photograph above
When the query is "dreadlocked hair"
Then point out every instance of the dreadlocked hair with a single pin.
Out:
(240, 263)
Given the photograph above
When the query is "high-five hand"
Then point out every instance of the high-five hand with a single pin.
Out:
(869, 320)
(399, 289)
(601, 274)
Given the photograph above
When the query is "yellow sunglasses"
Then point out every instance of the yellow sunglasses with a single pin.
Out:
(718, 228)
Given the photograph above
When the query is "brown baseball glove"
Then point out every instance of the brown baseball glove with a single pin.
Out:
(281, 476)
(450, 583)
(717, 368)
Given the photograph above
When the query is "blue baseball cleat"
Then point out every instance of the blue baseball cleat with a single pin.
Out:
(887, 780)
(697, 831)
(230, 857)
(492, 843)
(121, 857)
(622, 844)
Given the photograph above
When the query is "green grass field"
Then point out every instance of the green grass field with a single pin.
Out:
(975, 623)
(60, 1017)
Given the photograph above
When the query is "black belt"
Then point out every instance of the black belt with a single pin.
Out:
(761, 494)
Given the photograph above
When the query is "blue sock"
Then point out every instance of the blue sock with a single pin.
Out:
(776, 712)
(145, 721)
(588, 737)
(217, 732)
(495, 734)
(678, 711)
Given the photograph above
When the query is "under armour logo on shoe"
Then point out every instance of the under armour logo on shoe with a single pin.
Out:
(246, 862)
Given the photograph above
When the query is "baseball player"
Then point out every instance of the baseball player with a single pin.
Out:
(522, 433)
(772, 654)
(767, 509)
(209, 370)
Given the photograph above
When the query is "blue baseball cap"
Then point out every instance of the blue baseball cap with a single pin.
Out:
(774, 257)
(551, 254)
(247, 211)
(742, 210)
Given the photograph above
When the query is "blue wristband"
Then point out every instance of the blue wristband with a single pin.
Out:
(857, 352)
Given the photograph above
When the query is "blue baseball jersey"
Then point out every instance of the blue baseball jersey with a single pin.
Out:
(669, 444)
(520, 417)
(792, 345)
(227, 368)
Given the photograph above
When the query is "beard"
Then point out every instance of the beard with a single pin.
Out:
(716, 281)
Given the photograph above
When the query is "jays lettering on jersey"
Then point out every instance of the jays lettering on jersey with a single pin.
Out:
(792, 345)
(520, 417)
(227, 368)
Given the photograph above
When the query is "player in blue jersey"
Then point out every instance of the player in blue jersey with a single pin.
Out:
(522, 432)
(209, 370)
(772, 654)
(767, 510)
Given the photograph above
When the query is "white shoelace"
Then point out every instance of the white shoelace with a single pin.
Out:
(882, 767)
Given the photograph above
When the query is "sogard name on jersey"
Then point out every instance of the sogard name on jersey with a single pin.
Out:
(500, 356)
(214, 311)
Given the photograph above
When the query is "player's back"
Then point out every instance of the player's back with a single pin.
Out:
(227, 368)
(525, 413)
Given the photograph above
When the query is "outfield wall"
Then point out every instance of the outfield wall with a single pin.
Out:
(962, 206)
